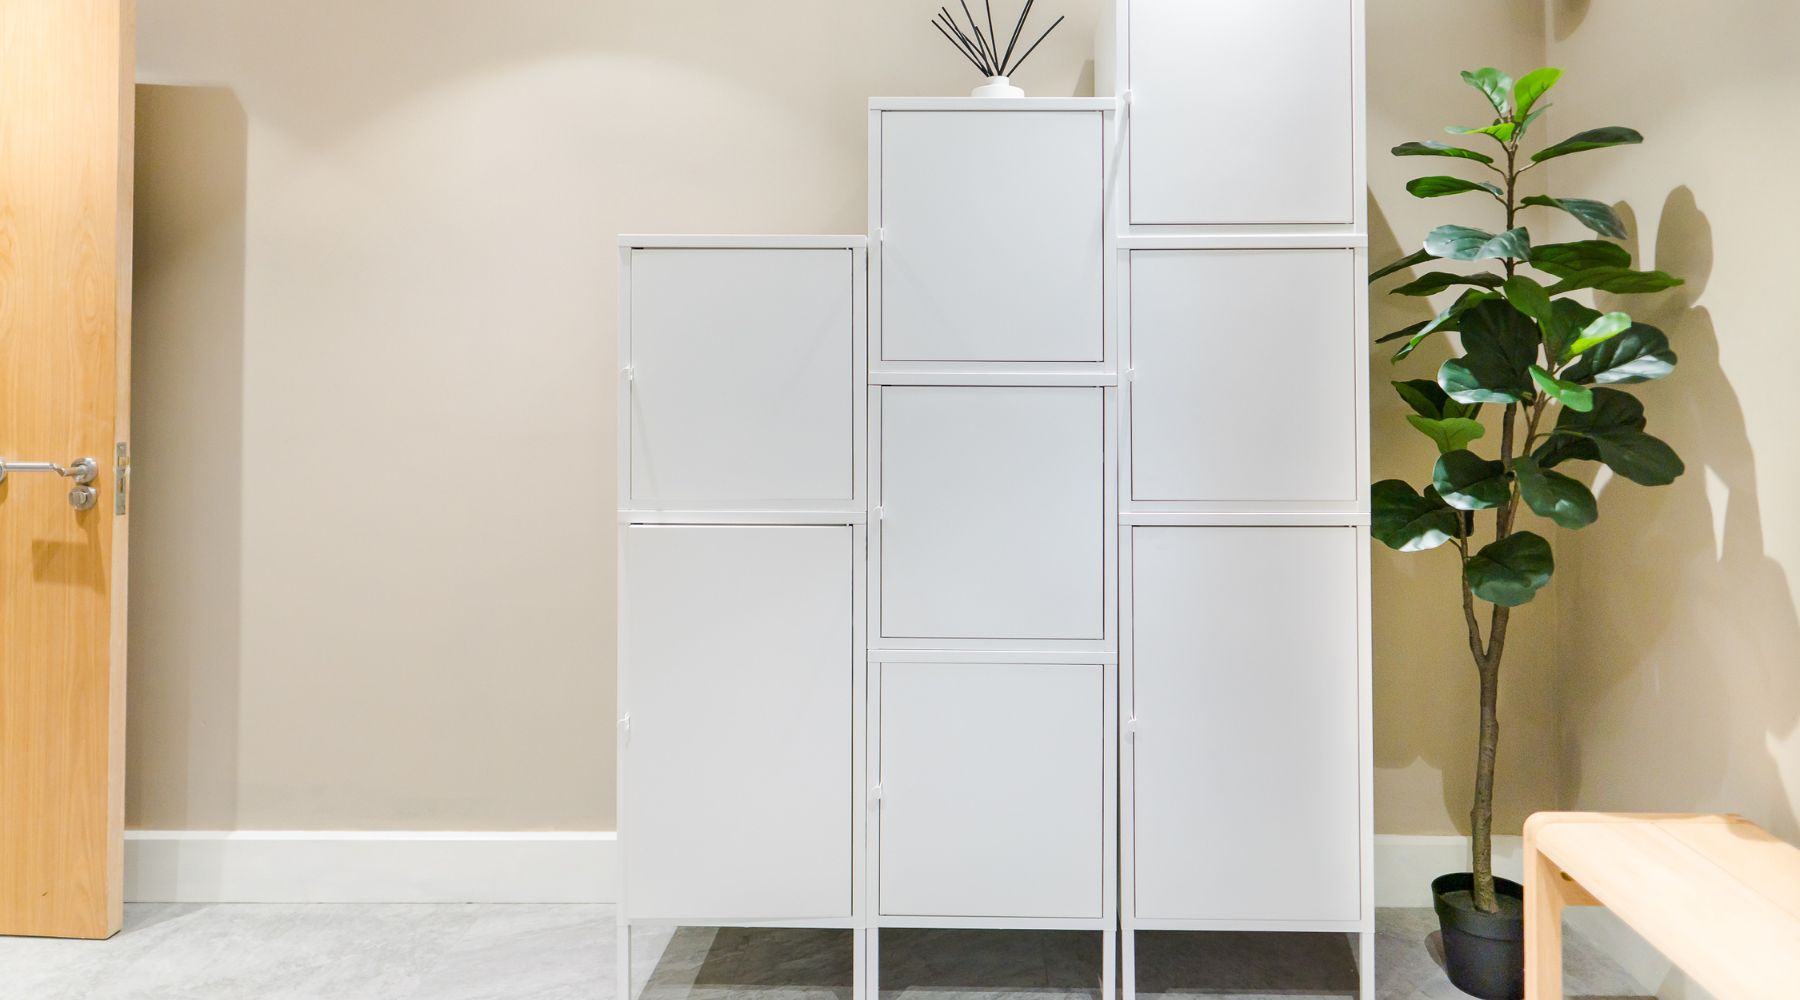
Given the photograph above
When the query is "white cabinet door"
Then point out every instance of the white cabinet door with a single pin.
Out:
(991, 789)
(738, 665)
(1246, 797)
(993, 512)
(1243, 375)
(743, 376)
(991, 244)
(1241, 111)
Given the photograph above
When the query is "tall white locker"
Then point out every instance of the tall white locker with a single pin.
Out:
(1244, 632)
(993, 479)
(742, 575)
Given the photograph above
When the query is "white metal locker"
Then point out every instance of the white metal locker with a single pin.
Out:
(992, 512)
(1242, 111)
(992, 789)
(991, 236)
(1245, 766)
(738, 663)
(1244, 376)
(742, 376)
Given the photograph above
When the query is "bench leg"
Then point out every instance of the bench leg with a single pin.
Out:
(1543, 929)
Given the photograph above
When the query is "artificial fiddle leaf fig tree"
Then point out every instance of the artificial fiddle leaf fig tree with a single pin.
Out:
(1555, 367)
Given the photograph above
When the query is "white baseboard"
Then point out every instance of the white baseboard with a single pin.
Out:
(324, 866)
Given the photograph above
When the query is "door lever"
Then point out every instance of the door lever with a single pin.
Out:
(82, 470)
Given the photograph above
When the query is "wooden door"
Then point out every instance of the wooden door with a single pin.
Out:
(65, 295)
(1244, 766)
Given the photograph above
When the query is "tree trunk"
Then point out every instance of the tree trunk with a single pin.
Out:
(1481, 816)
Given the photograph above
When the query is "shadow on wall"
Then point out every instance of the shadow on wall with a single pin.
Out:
(1683, 631)
(187, 476)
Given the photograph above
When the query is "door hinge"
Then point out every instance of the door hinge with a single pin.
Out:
(121, 478)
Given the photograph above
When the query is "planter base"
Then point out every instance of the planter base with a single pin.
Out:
(1484, 953)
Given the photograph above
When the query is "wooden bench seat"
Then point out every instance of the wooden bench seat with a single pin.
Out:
(1717, 895)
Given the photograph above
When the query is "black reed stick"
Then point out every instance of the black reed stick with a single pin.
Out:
(992, 34)
(975, 29)
(1035, 44)
(977, 51)
(1023, 14)
(959, 49)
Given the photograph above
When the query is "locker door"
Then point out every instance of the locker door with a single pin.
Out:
(1245, 762)
(991, 789)
(738, 669)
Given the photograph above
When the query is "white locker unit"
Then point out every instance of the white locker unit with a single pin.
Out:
(742, 583)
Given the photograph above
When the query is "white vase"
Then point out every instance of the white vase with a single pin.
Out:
(997, 86)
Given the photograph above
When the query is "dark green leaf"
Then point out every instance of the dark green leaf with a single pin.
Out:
(1403, 332)
(1532, 86)
(1410, 260)
(1617, 280)
(1559, 448)
(1467, 481)
(1554, 495)
(1434, 148)
(1596, 215)
(1598, 138)
(1402, 519)
(1511, 571)
(1526, 122)
(1568, 319)
(1439, 186)
(1615, 427)
(1529, 297)
(1569, 394)
(1500, 343)
(1599, 332)
(1465, 243)
(1564, 259)
(1640, 354)
(1450, 433)
(1446, 320)
(1493, 84)
(1437, 281)
(1427, 399)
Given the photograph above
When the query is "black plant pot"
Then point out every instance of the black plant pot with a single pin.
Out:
(1484, 953)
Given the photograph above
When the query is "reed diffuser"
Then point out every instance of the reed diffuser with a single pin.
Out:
(983, 51)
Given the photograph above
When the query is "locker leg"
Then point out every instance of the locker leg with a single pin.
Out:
(859, 964)
(872, 974)
(623, 936)
(1109, 963)
(1365, 964)
(1128, 962)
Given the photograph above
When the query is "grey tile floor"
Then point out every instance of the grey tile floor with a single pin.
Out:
(486, 952)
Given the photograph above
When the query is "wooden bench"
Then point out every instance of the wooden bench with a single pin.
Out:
(1717, 895)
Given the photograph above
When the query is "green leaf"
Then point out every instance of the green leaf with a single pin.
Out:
(1596, 215)
(1500, 343)
(1564, 259)
(1615, 429)
(1467, 481)
(1568, 319)
(1532, 86)
(1465, 243)
(1439, 186)
(1560, 448)
(1526, 122)
(1404, 520)
(1438, 281)
(1511, 571)
(1427, 399)
(1529, 297)
(1598, 138)
(1617, 280)
(1502, 132)
(1495, 85)
(1640, 354)
(1434, 148)
(1599, 332)
(1450, 433)
(1411, 260)
(1569, 394)
(1449, 319)
(1553, 495)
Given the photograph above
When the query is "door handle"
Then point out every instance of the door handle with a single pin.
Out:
(82, 471)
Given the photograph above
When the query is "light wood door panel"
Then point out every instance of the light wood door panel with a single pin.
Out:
(738, 674)
(1245, 759)
(66, 107)
(1275, 77)
(992, 789)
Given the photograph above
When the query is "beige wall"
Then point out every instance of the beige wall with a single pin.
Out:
(373, 566)
(1682, 670)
